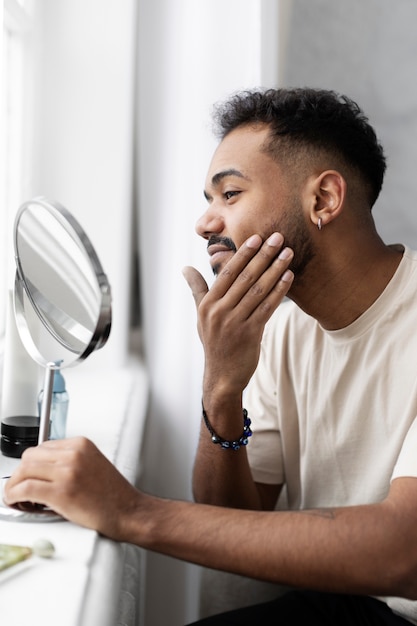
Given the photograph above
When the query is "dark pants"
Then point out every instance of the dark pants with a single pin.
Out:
(312, 608)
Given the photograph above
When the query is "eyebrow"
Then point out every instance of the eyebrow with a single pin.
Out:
(219, 176)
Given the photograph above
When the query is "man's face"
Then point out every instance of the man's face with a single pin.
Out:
(248, 193)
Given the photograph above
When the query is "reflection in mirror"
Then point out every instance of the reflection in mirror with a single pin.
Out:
(62, 296)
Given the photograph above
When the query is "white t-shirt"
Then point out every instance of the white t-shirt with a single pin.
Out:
(334, 412)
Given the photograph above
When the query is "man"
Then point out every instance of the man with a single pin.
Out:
(332, 401)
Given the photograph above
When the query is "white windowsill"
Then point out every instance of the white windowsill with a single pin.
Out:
(83, 584)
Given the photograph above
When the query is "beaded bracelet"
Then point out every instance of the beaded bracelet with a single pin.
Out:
(230, 445)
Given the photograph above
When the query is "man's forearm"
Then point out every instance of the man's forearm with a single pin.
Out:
(223, 477)
(365, 549)
(370, 549)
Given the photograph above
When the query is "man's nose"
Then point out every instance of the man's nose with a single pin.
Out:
(210, 223)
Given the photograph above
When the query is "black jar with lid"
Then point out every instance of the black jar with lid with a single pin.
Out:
(18, 432)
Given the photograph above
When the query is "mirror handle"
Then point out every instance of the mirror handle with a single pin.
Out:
(46, 402)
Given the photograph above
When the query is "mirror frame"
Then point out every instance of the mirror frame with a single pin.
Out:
(103, 325)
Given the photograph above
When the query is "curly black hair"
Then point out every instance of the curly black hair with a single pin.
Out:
(310, 121)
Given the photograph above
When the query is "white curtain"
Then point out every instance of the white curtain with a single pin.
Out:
(191, 54)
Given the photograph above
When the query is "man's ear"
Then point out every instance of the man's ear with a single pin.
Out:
(327, 193)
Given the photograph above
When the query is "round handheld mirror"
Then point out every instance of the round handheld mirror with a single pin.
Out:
(62, 297)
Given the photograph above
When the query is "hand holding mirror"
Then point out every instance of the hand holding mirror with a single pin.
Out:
(62, 297)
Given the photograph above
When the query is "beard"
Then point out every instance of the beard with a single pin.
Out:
(296, 235)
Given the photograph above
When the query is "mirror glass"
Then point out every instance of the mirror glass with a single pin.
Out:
(62, 296)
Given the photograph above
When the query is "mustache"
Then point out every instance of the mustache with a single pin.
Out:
(224, 241)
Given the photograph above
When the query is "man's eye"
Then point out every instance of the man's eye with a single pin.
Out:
(230, 194)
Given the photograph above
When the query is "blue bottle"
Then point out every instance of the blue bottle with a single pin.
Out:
(59, 407)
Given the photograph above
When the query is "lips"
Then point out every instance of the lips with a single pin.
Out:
(219, 254)
(215, 248)
(219, 249)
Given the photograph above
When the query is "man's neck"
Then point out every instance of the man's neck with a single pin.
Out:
(337, 293)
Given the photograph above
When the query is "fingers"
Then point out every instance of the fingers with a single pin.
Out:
(257, 270)
(74, 479)
(29, 490)
(196, 283)
(264, 264)
(264, 296)
(41, 468)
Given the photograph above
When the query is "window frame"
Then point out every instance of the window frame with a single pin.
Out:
(16, 154)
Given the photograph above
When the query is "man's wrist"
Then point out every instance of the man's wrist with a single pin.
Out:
(230, 444)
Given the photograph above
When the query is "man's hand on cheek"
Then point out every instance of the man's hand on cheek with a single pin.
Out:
(233, 313)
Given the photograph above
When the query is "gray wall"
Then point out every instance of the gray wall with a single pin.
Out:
(367, 49)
